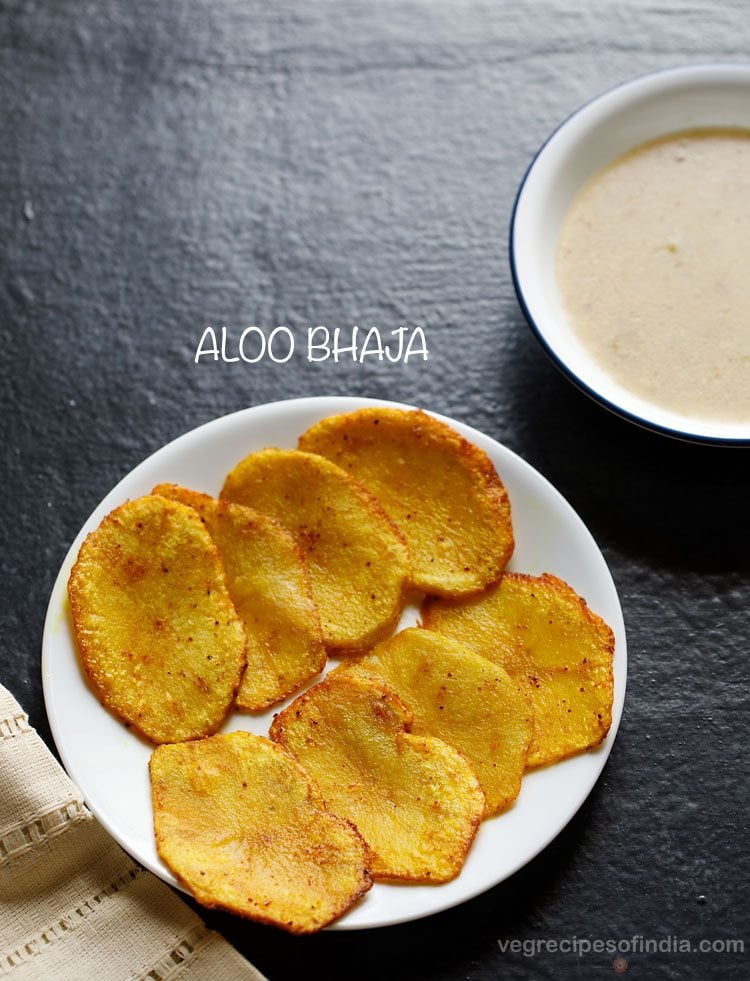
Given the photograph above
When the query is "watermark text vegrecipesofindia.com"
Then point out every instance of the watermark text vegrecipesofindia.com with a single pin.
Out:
(638, 944)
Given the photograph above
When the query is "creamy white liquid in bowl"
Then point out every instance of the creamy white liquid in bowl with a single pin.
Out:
(653, 266)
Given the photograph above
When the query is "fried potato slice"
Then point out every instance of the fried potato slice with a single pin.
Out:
(158, 635)
(357, 558)
(415, 800)
(442, 491)
(540, 629)
(242, 825)
(270, 586)
(463, 699)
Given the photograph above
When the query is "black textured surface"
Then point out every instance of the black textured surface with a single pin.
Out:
(165, 166)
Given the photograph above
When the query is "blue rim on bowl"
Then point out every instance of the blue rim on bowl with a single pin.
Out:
(602, 129)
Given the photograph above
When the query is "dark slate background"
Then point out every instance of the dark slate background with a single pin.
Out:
(166, 166)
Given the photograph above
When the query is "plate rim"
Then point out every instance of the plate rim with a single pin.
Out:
(337, 403)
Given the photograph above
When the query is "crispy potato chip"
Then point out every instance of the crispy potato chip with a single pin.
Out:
(537, 627)
(357, 558)
(461, 698)
(442, 491)
(158, 635)
(269, 583)
(239, 821)
(415, 799)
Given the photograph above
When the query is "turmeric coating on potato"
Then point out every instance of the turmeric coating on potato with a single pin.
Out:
(157, 632)
(242, 825)
(442, 492)
(269, 583)
(540, 629)
(459, 697)
(415, 800)
(357, 558)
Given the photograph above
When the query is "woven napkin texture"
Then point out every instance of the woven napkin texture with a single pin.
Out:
(73, 905)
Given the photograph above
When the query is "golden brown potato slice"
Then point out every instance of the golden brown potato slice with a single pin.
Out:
(357, 559)
(239, 821)
(415, 799)
(269, 583)
(461, 698)
(158, 634)
(442, 491)
(538, 628)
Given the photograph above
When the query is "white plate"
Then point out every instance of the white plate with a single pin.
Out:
(109, 762)
(623, 118)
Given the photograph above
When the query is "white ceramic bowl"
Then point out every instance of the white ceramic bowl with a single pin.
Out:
(642, 109)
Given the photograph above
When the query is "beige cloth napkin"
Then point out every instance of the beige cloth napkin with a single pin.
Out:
(73, 905)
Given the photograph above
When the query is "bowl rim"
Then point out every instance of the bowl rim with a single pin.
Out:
(688, 73)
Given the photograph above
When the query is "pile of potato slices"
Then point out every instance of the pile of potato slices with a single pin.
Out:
(186, 607)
